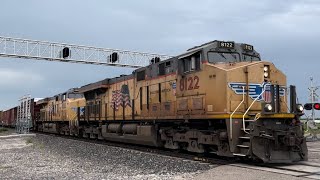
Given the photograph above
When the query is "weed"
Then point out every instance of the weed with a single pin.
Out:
(29, 141)
(3, 130)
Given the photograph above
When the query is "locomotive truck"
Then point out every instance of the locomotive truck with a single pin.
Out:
(219, 97)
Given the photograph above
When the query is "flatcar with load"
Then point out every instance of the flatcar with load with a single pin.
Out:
(219, 97)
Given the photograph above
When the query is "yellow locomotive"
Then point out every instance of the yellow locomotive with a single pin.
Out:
(215, 98)
(58, 114)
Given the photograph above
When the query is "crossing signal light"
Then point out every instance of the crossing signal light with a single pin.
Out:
(316, 106)
(308, 106)
(114, 57)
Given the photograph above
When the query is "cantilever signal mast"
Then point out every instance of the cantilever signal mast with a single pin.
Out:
(51, 51)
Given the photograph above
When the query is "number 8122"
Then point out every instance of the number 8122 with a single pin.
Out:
(189, 83)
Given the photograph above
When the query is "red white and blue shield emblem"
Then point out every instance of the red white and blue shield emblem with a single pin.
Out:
(255, 90)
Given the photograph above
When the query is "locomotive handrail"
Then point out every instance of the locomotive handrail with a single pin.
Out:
(231, 124)
(244, 115)
(257, 117)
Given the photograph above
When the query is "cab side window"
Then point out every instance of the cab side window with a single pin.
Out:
(164, 68)
(191, 63)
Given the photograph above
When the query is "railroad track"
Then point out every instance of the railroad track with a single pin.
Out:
(301, 169)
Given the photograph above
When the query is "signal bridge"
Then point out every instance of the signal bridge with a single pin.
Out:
(51, 51)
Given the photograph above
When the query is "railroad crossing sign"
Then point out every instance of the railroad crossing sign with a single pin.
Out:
(313, 105)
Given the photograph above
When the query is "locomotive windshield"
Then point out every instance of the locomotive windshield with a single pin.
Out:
(75, 95)
(215, 57)
(248, 57)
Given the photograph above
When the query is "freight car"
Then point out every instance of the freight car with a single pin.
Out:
(219, 97)
(9, 117)
(1, 122)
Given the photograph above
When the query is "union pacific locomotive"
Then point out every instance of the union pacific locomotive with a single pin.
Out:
(219, 98)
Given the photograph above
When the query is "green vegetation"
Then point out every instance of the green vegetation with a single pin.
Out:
(3, 130)
(312, 131)
(37, 145)
(5, 167)
(29, 141)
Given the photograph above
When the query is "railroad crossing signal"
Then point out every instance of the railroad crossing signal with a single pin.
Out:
(313, 97)
(310, 106)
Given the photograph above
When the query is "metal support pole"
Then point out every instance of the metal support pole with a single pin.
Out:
(312, 98)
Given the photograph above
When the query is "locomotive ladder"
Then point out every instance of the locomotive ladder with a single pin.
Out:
(245, 139)
(52, 51)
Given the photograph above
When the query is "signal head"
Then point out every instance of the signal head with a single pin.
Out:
(308, 106)
(316, 106)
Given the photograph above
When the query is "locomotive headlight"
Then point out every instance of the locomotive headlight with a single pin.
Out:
(266, 70)
(268, 108)
(300, 108)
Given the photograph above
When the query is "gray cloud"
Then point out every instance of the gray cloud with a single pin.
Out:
(13, 78)
(284, 32)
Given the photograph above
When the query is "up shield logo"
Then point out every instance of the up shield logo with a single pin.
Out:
(255, 90)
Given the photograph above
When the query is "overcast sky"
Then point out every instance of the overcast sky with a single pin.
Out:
(285, 32)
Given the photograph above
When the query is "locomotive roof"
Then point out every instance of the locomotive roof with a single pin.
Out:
(72, 90)
(97, 85)
(152, 69)
(43, 101)
(47, 99)
(104, 84)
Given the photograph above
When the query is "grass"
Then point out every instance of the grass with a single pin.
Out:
(29, 141)
(313, 131)
(37, 145)
(3, 130)
(5, 167)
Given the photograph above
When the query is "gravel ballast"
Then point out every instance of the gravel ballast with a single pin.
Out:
(58, 158)
(50, 157)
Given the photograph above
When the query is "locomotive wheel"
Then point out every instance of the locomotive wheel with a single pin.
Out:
(194, 146)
